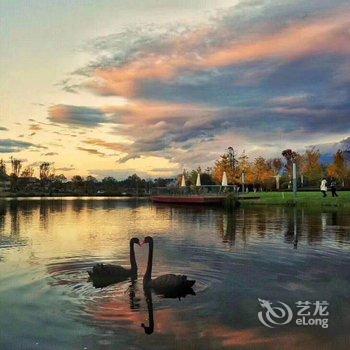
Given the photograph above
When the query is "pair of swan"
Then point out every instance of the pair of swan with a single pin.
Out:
(169, 285)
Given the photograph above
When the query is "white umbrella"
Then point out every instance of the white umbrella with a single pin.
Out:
(198, 183)
(224, 179)
(183, 181)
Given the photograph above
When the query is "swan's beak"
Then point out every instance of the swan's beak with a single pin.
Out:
(142, 243)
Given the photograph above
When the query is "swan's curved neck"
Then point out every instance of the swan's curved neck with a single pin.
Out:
(148, 273)
(132, 257)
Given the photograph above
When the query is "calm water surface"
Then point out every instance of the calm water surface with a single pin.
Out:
(277, 254)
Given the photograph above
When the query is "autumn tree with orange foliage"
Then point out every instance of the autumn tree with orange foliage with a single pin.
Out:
(262, 172)
(228, 163)
(312, 166)
(339, 169)
(266, 173)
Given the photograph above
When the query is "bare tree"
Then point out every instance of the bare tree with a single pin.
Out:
(45, 171)
(16, 166)
(28, 171)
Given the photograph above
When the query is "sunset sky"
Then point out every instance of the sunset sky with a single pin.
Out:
(117, 87)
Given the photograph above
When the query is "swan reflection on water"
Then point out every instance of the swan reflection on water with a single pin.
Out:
(167, 286)
(148, 296)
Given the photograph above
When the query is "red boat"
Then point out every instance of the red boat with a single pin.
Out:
(194, 199)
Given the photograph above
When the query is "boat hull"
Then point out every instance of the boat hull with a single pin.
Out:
(217, 200)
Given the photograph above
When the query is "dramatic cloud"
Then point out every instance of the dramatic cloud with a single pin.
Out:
(255, 72)
(152, 128)
(190, 128)
(12, 146)
(76, 115)
(291, 44)
(243, 35)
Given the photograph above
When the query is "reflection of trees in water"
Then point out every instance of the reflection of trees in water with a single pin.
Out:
(81, 204)
(16, 213)
(44, 214)
(24, 210)
(295, 224)
(10, 237)
(78, 205)
(3, 211)
(2, 224)
(313, 228)
(227, 227)
(14, 217)
(47, 207)
(262, 218)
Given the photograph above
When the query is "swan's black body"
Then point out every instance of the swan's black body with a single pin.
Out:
(168, 285)
(103, 275)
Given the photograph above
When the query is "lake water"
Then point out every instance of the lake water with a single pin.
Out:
(275, 254)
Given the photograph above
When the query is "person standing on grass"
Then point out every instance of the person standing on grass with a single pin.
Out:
(323, 187)
(334, 188)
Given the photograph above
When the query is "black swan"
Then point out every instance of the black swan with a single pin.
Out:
(102, 275)
(170, 285)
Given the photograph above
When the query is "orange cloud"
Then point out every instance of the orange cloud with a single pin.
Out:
(318, 37)
(147, 112)
(118, 147)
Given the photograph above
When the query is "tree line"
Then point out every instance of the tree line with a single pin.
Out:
(259, 173)
(21, 180)
(276, 173)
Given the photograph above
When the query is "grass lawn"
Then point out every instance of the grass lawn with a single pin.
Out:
(302, 198)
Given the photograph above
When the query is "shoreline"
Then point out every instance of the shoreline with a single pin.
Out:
(284, 199)
(302, 199)
(68, 196)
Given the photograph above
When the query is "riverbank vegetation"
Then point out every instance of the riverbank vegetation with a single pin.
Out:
(276, 173)
(309, 199)
(257, 174)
